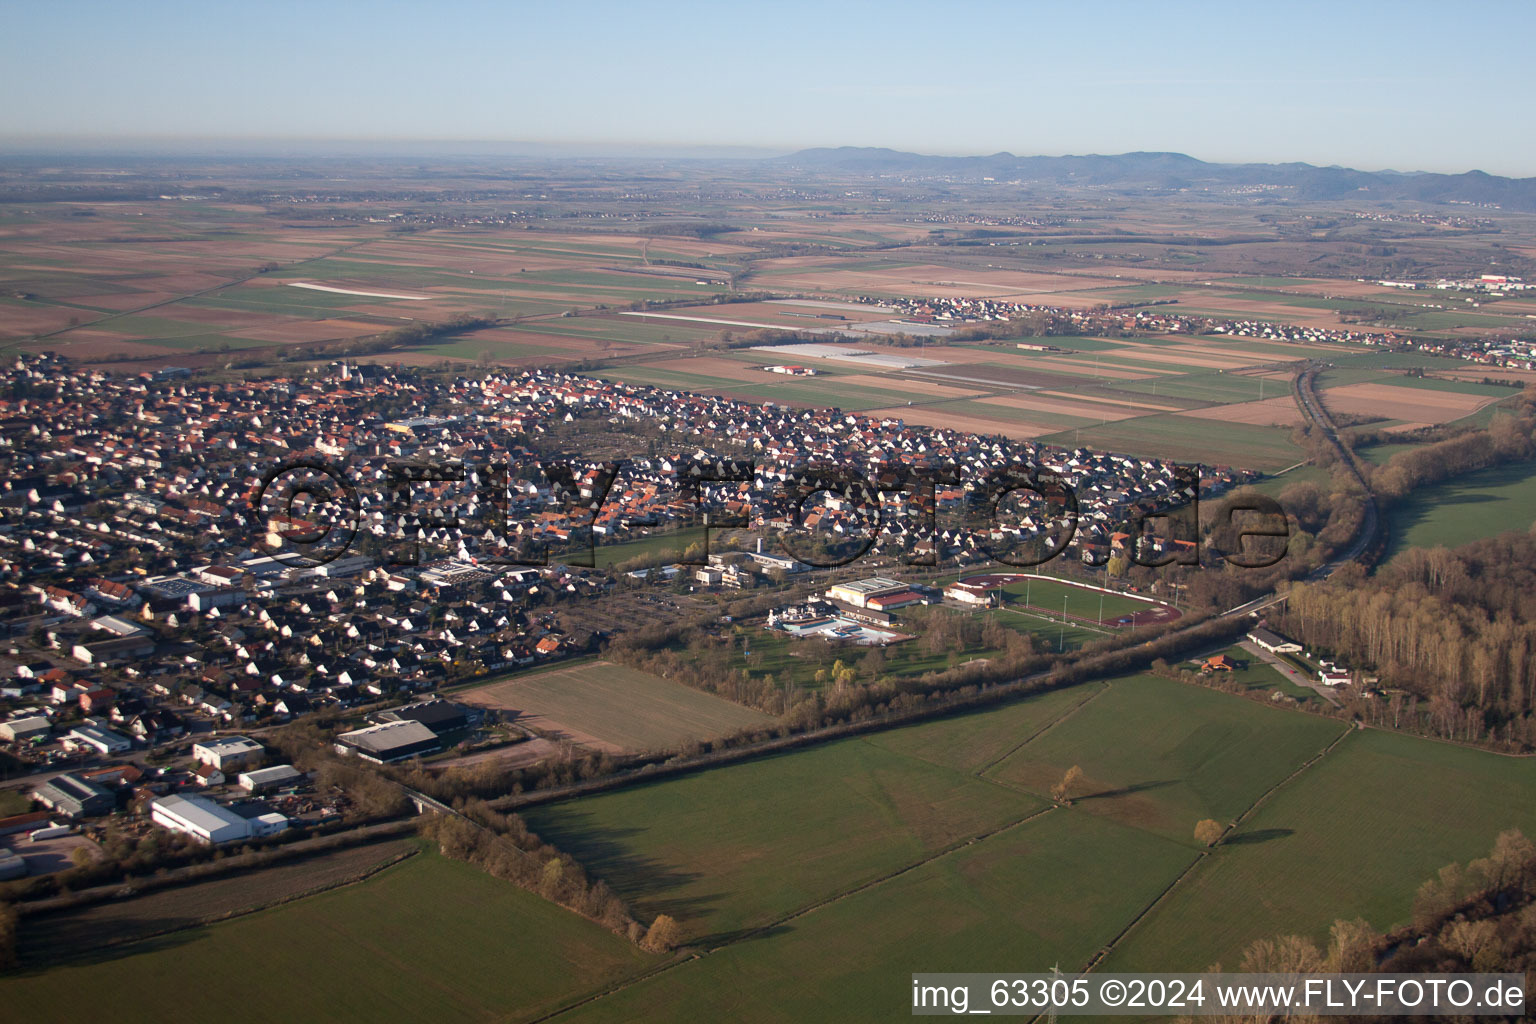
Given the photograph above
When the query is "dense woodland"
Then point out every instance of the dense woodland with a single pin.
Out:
(1455, 629)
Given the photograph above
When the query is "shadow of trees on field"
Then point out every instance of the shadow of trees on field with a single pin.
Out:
(41, 948)
(646, 883)
(1135, 787)
(1258, 835)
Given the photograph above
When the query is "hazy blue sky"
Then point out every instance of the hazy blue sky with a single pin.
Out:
(1429, 86)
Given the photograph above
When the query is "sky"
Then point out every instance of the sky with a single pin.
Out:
(1405, 85)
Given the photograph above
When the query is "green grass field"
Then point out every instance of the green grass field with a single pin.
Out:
(1188, 439)
(1210, 386)
(615, 705)
(1048, 635)
(657, 543)
(426, 940)
(1272, 486)
(1354, 836)
(1050, 597)
(741, 846)
(1160, 755)
(1050, 891)
(821, 879)
(1465, 508)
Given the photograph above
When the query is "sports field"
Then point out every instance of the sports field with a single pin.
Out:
(1051, 597)
(610, 707)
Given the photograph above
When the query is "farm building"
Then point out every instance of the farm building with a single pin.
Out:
(392, 741)
(75, 797)
(230, 752)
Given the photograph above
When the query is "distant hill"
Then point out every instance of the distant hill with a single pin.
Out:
(1177, 171)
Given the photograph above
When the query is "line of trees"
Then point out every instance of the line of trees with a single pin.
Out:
(503, 847)
(1510, 437)
(401, 337)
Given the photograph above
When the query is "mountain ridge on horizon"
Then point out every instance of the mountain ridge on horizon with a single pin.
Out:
(1178, 171)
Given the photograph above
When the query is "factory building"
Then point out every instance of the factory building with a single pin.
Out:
(441, 716)
(206, 821)
(263, 779)
(392, 741)
(75, 797)
(231, 753)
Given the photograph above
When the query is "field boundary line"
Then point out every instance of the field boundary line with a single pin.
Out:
(199, 293)
(208, 919)
(794, 915)
(1205, 854)
(1263, 798)
(1104, 686)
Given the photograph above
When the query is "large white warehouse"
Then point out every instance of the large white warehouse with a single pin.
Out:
(198, 816)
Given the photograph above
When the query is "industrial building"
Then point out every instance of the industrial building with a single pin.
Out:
(392, 741)
(206, 821)
(228, 754)
(263, 779)
(12, 865)
(75, 797)
(103, 741)
(23, 729)
(441, 716)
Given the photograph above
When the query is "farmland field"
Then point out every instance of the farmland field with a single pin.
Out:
(66, 935)
(1190, 439)
(746, 844)
(1301, 861)
(1465, 508)
(1157, 755)
(1161, 755)
(994, 905)
(610, 707)
(460, 945)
